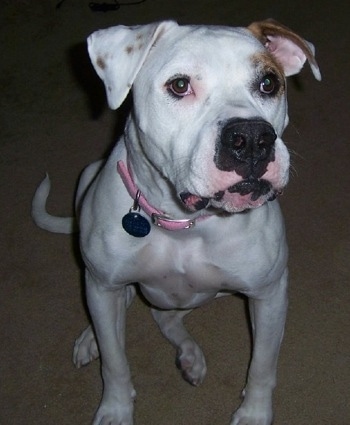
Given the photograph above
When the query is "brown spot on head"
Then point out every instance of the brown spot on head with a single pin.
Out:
(140, 46)
(265, 61)
(129, 49)
(139, 37)
(101, 63)
(265, 64)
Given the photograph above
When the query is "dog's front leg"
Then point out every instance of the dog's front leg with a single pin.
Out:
(108, 311)
(268, 319)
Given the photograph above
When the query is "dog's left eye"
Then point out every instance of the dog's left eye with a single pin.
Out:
(269, 84)
(180, 86)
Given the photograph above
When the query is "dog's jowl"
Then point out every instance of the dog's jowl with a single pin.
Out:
(188, 193)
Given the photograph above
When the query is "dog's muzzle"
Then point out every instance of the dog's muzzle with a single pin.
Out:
(245, 146)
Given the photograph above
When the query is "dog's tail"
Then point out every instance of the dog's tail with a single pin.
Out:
(43, 219)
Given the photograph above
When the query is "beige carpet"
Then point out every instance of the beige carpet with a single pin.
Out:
(54, 118)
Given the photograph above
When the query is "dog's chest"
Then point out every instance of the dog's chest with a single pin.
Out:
(179, 286)
(186, 288)
(186, 275)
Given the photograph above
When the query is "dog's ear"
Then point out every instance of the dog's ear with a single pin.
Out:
(117, 54)
(289, 49)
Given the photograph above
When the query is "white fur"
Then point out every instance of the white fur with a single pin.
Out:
(170, 146)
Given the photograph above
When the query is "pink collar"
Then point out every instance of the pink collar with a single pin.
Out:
(159, 218)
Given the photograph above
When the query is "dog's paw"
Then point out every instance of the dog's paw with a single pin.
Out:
(113, 416)
(249, 414)
(191, 361)
(113, 412)
(85, 348)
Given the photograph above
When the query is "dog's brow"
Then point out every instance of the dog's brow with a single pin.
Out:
(266, 62)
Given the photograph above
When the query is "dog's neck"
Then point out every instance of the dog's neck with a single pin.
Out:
(148, 178)
(159, 218)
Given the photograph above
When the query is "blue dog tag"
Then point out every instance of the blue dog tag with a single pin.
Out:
(136, 225)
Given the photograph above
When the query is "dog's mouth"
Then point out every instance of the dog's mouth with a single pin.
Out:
(248, 193)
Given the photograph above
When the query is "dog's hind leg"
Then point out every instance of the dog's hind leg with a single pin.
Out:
(189, 357)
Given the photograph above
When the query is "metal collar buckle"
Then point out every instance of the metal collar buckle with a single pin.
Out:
(157, 219)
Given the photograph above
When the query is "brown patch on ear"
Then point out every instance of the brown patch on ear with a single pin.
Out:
(263, 29)
(129, 49)
(100, 63)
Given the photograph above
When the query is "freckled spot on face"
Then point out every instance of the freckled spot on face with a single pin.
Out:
(129, 49)
(207, 100)
(140, 46)
(101, 63)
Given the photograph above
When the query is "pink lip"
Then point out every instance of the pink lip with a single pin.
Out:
(248, 193)
(194, 202)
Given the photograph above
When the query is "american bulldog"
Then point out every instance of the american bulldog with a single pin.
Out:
(186, 204)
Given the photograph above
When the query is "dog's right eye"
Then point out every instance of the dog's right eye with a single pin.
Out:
(180, 86)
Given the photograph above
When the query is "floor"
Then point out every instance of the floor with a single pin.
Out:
(54, 118)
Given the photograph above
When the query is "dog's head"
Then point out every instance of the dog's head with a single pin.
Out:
(209, 105)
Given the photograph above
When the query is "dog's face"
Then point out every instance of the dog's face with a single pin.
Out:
(209, 111)
(212, 106)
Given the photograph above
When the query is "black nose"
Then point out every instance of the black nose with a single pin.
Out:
(245, 146)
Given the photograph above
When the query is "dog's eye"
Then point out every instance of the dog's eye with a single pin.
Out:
(269, 84)
(180, 86)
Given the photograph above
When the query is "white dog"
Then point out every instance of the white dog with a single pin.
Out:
(185, 204)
